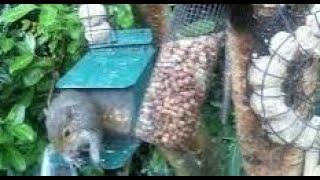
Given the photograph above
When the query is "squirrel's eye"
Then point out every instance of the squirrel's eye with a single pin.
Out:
(67, 133)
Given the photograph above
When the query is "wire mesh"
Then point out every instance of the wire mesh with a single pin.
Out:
(192, 20)
(100, 26)
(283, 73)
(170, 113)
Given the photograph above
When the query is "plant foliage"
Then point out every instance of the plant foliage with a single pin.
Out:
(38, 42)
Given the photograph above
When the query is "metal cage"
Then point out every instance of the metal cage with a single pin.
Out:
(170, 112)
(192, 20)
(100, 26)
(283, 73)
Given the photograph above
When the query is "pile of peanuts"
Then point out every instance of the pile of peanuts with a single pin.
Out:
(170, 112)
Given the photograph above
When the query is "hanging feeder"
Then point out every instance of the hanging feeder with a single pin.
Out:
(114, 71)
(284, 77)
(170, 112)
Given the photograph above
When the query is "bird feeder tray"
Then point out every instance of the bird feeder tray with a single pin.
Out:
(118, 151)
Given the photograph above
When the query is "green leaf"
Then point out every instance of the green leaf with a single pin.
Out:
(27, 97)
(22, 132)
(43, 63)
(6, 44)
(1, 160)
(123, 13)
(20, 62)
(73, 47)
(76, 33)
(30, 42)
(23, 48)
(35, 151)
(16, 114)
(52, 46)
(16, 159)
(13, 14)
(157, 165)
(48, 15)
(4, 137)
(73, 18)
(4, 77)
(45, 85)
(32, 77)
(125, 16)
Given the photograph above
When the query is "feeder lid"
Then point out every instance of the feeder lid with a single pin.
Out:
(126, 38)
(117, 67)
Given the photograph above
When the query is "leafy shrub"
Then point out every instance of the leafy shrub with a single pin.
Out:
(122, 15)
(37, 44)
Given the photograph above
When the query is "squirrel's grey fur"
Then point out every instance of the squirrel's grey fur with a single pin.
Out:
(78, 118)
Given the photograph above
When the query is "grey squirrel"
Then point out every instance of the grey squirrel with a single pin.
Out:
(77, 119)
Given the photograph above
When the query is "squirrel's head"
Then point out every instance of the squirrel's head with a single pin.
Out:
(73, 128)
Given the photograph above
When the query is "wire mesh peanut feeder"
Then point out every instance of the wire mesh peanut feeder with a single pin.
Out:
(170, 111)
(98, 24)
(114, 71)
(283, 74)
